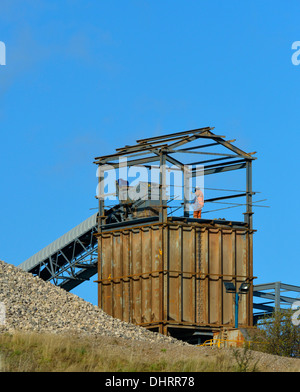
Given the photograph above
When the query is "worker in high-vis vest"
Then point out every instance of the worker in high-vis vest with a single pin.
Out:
(198, 203)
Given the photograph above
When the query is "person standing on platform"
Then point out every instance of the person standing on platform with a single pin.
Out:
(198, 203)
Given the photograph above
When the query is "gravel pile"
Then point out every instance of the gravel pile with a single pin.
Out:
(32, 304)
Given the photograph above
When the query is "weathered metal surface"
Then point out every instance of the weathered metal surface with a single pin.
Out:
(173, 274)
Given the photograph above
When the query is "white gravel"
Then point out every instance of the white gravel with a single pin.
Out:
(32, 304)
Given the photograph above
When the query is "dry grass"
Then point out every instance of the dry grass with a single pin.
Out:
(20, 352)
(43, 353)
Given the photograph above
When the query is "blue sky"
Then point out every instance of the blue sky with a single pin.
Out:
(84, 77)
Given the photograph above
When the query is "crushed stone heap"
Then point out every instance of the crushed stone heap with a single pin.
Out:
(33, 305)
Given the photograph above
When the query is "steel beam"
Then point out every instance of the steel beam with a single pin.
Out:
(167, 136)
(221, 169)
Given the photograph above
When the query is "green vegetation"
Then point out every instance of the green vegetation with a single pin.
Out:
(244, 360)
(280, 335)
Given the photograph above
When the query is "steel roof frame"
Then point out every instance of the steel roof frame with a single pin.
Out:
(163, 148)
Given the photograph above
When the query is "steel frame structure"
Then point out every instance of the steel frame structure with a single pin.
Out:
(174, 149)
(271, 294)
(165, 149)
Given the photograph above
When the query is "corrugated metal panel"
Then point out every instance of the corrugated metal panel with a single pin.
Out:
(174, 274)
(60, 243)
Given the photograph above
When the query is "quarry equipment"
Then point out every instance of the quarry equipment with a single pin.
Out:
(164, 271)
(157, 265)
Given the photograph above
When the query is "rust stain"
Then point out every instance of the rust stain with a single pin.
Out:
(174, 274)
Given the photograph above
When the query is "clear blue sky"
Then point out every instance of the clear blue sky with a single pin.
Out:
(84, 77)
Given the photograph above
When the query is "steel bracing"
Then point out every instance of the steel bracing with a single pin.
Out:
(268, 297)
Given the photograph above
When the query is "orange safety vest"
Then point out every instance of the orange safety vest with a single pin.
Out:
(199, 202)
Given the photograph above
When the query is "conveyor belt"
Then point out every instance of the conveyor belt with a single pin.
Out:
(69, 260)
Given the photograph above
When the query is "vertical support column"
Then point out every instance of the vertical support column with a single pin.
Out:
(162, 189)
(277, 295)
(186, 191)
(99, 229)
(165, 275)
(250, 273)
(236, 317)
(249, 213)
(101, 216)
(164, 246)
(249, 220)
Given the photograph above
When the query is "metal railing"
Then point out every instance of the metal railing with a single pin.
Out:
(226, 343)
